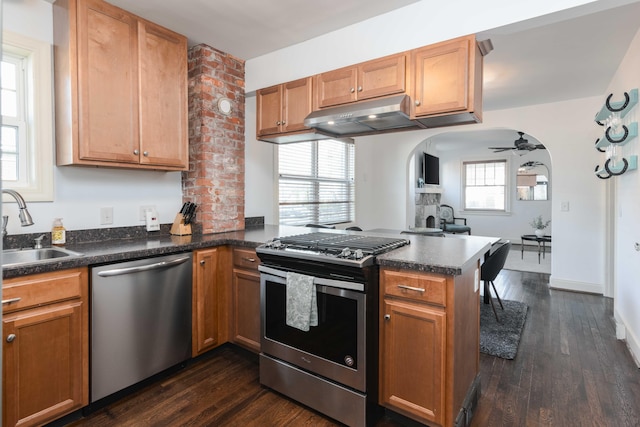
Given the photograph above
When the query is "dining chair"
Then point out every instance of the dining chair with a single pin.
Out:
(490, 270)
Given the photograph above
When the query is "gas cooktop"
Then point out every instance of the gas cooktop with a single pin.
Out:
(349, 249)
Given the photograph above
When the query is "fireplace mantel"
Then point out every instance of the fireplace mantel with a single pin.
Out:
(429, 190)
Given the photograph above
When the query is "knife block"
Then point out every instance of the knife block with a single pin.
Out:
(179, 228)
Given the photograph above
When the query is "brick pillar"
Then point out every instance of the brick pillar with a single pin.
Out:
(215, 180)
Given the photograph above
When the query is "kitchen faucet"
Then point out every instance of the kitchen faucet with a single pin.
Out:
(24, 215)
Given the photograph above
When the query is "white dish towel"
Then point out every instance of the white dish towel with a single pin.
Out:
(302, 308)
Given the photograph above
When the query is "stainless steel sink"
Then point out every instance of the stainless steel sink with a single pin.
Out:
(12, 257)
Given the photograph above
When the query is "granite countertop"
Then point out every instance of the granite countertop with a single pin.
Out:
(446, 255)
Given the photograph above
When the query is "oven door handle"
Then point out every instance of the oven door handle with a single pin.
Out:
(316, 280)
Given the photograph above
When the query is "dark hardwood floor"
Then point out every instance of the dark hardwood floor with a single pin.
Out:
(569, 371)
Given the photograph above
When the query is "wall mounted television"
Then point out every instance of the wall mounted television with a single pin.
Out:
(431, 169)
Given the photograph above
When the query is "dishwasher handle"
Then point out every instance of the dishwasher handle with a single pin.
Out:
(148, 267)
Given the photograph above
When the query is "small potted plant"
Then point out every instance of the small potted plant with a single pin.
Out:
(539, 225)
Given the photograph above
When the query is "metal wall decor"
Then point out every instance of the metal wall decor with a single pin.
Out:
(616, 135)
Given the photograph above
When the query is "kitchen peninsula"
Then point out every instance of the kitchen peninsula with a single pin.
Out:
(446, 268)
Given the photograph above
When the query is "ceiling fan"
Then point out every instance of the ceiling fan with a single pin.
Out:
(520, 144)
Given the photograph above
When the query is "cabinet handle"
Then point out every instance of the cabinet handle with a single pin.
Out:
(411, 288)
(359, 88)
(146, 154)
(249, 259)
(9, 301)
(136, 152)
(11, 337)
(202, 262)
(417, 103)
(387, 317)
(352, 90)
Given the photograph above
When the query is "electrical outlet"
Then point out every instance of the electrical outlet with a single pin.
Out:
(106, 215)
(143, 211)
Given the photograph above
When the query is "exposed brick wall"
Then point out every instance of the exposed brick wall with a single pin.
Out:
(215, 180)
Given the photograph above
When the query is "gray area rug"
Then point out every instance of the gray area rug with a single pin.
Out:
(501, 339)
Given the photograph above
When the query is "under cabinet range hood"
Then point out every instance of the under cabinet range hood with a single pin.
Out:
(365, 117)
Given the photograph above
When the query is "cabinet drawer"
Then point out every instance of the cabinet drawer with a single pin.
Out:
(40, 289)
(415, 286)
(245, 258)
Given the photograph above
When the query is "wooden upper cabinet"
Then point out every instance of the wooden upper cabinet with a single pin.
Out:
(163, 96)
(121, 89)
(283, 108)
(447, 78)
(107, 83)
(379, 77)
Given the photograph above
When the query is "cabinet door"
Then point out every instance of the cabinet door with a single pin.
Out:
(337, 87)
(107, 83)
(381, 77)
(297, 104)
(43, 373)
(269, 110)
(246, 309)
(412, 381)
(205, 301)
(163, 97)
(441, 74)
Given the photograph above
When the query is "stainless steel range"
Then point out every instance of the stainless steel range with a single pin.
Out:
(332, 365)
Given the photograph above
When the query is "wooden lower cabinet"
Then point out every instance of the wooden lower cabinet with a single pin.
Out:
(413, 348)
(45, 365)
(207, 301)
(245, 299)
(429, 344)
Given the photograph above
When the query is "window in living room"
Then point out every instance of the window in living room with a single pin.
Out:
(316, 182)
(485, 185)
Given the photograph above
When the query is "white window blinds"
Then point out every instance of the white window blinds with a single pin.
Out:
(316, 184)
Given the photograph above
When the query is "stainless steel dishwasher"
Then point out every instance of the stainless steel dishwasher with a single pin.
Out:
(140, 320)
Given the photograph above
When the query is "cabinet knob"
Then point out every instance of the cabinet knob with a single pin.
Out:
(136, 152)
(417, 103)
(352, 90)
(11, 337)
(387, 317)
(146, 154)
(278, 123)
(202, 262)
(359, 88)
(284, 123)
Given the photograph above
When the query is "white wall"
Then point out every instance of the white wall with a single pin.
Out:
(626, 214)
(79, 193)
(419, 24)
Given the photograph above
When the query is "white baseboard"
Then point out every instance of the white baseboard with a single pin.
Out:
(626, 334)
(570, 285)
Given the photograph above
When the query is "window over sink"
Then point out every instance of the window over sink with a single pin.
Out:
(27, 117)
(316, 182)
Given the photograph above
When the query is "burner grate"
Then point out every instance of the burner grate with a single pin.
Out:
(329, 241)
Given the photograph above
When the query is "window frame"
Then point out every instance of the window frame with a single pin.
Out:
(38, 108)
(507, 185)
(315, 180)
